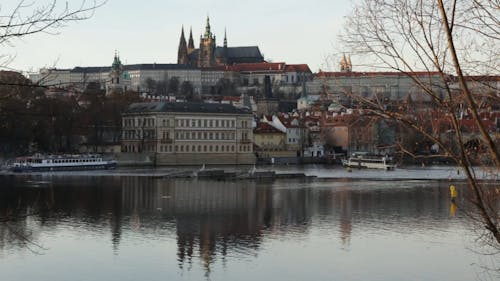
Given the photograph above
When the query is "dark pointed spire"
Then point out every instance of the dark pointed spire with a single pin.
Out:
(191, 41)
(208, 33)
(182, 34)
(117, 64)
(182, 55)
(225, 38)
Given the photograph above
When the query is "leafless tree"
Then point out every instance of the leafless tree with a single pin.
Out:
(29, 17)
(455, 40)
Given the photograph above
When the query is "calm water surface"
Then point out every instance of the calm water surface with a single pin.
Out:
(144, 228)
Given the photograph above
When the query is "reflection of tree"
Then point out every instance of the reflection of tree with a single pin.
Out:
(345, 208)
(212, 219)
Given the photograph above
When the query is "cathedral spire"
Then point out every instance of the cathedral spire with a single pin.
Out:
(182, 55)
(208, 33)
(191, 41)
(225, 38)
(343, 63)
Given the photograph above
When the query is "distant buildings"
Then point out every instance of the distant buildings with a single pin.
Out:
(189, 133)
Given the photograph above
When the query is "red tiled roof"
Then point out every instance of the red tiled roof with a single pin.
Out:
(481, 78)
(258, 66)
(471, 125)
(323, 74)
(297, 68)
(264, 128)
(231, 98)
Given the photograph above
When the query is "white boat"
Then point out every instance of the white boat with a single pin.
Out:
(41, 162)
(366, 160)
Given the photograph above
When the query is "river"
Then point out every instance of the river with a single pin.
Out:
(132, 225)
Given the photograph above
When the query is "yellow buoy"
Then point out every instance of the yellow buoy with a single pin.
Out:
(453, 192)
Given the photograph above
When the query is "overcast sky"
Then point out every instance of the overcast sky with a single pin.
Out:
(291, 31)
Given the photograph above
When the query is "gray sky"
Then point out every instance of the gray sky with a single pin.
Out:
(292, 31)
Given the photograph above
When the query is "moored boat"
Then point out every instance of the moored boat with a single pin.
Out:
(41, 162)
(369, 161)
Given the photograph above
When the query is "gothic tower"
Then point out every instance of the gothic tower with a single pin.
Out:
(182, 54)
(345, 64)
(116, 70)
(191, 41)
(119, 79)
(206, 56)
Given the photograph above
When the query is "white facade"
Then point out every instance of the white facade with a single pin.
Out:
(385, 85)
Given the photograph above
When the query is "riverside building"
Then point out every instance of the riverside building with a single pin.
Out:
(189, 133)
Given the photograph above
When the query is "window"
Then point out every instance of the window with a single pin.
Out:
(211, 136)
(216, 148)
(193, 135)
(210, 148)
(187, 148)
(216, 123)
(222, 148)
(182, 148)
(204, 148)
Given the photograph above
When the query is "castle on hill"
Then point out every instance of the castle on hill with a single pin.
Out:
(210, 55)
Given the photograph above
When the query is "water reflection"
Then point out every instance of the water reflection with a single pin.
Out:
(213, 220)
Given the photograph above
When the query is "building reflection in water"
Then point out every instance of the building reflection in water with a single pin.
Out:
(216, 219)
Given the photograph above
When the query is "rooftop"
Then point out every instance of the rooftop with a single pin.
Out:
(185, 107)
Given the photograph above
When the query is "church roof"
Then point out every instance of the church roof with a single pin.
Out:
(234, 54)
(240, 52)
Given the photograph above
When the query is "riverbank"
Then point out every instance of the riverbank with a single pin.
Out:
(316, 171)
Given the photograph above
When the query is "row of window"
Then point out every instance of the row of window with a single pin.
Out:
(136, 134)
(204, 123)
(140, 122)
(189, 148)
(204, 148)
(186, 123)
(150, 134)
(201, 136)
